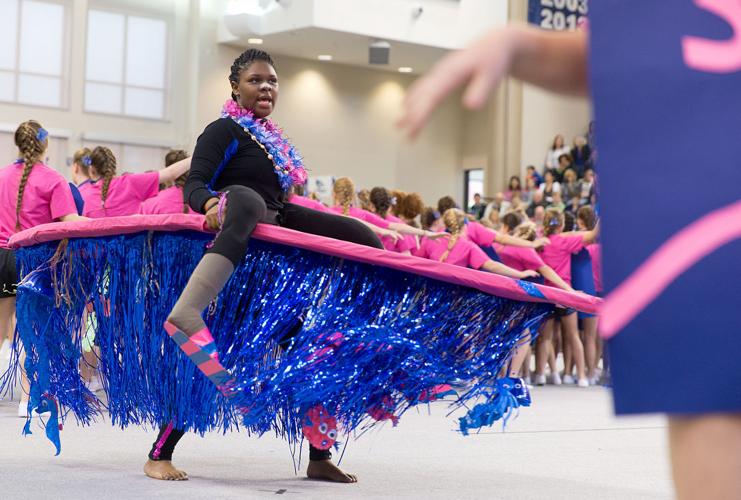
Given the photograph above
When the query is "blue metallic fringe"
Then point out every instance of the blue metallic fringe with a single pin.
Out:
(295, 328)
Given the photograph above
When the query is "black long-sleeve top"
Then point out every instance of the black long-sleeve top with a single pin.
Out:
(225, 147)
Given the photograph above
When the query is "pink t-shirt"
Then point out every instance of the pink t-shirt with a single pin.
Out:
(407, 243)
(167, 201)
(464, 253)
(479, 234)
(125, 194)
(595, 252)
(364, 215)
(519, 258)
(558, 254)
(47, 197)
(308, 203)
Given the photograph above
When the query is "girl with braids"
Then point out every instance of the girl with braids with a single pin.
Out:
(31, 193)
(344, 204)
(107, 195)
(170, 200)
(558, 256)
(459, 251)
(379, 203)
(241, 172)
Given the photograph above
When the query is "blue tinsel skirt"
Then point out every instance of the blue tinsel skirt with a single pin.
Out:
(294, 327)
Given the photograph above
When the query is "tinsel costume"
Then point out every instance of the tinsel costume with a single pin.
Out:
(306, 342)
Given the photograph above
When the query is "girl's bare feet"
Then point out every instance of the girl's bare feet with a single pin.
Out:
(325, 470)
(163, 469)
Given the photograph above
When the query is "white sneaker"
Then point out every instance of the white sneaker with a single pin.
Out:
(23, 409)
(568, 379)
(540, 380)
(594, 380)
(583, 382)
(554, 379)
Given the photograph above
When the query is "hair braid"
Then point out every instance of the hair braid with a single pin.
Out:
(104, 162)
(31, 149)
(454, 221)
(344, 191)
(244, 61)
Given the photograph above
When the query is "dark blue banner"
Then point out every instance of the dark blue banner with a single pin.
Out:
(558, 15)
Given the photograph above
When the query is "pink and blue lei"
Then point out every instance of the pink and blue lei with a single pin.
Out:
(288, 163)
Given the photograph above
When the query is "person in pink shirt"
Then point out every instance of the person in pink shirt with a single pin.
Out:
(521, 258)
(31, 194)
(459, 251)
(586, 220)
(169, 200)
(344, 198)
(558, 256)
(380, 204)
(108, 195)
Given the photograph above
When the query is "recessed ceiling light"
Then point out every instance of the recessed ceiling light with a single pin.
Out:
(324, 57)
(255, 41)
(405, 69)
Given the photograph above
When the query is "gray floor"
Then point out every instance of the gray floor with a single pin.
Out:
(567, 446)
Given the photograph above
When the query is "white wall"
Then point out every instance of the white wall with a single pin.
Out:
(543, 116)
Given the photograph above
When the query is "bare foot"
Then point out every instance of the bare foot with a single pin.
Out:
(325, 470)
(163, 469)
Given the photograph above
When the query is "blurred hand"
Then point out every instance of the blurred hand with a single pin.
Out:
(482, 66)
(540, 243)
(392, 234)
(528, 274)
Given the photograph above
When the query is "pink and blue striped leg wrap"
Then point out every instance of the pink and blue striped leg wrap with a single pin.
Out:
(201, 349)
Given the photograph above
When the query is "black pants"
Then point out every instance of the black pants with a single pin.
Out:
(244, 209)
(8, 273)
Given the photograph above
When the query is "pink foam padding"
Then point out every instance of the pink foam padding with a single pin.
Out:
(486, 282)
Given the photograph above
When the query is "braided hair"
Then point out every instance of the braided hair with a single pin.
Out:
(455, 221)
(244, 61)
(380, 198)
(104, 162)
(344, 191)
(31, 139)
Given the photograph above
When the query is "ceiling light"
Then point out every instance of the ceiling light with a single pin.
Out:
(255, 41)
(324, 57)
(405, 69)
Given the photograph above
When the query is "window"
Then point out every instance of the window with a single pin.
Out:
(126, 65)
(33, 52)
(474, 183)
